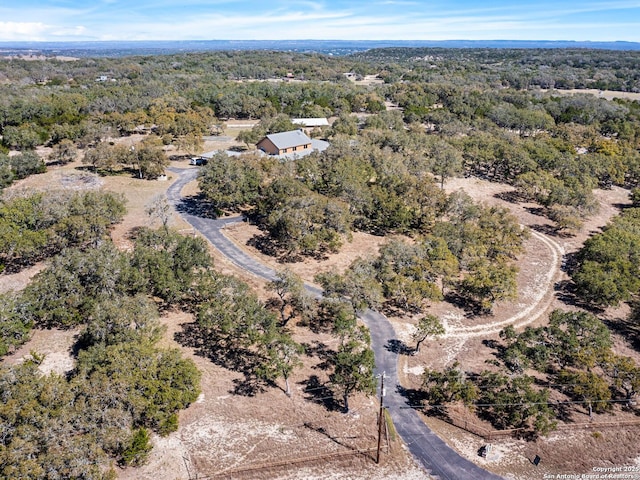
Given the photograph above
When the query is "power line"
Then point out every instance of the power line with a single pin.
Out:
(548, 385)
(567, 402)
(304, 390)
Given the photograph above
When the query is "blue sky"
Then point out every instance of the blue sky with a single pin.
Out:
(61, 20)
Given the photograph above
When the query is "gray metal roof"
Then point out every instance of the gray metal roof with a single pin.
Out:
(290, 139)
(316, 145)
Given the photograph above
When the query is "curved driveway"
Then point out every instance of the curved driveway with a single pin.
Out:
(438, 459)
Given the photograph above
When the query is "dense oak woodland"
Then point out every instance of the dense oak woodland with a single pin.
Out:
(455, 112)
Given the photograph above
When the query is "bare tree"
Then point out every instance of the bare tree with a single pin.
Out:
(159, 208)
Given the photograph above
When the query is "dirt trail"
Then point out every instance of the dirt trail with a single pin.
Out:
(542, 300)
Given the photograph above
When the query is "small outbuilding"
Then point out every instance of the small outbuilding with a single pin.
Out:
(286, 142)
(308, 125)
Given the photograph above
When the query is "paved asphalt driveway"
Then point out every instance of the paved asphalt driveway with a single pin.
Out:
(438, 459)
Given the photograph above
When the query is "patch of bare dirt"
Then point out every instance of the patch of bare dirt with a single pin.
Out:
(370, 80)
(139, 195)
(607, 94)
(80, 180)
(17, 281)
(226, 435)
(55, 345)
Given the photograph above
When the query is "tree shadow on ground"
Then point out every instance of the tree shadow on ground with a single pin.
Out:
(625, 328)
(198, 206)
(250, 386)
(323, 431)
(134, 173)
(179, 158)
(414, 397)
(623, 206)
(472, 308)
(267, 245)
(562, 410)
(222, 352)
(565, 291)
(100, 172)
(399, 347)
(538, 211)
(238, 148)
(322, 351)
(11, 266)
(551, 230)
(511, 197)
(320, 393)
(389, 309)
(498, 351)
(320, 324)
(569, 262)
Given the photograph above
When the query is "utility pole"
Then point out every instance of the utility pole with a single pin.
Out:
(380, 417)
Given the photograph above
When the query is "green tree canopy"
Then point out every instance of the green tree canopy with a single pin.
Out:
(609, 262)
(152, 383)
(230, 182)
(168, 262)
(427, 326)
(354, 364)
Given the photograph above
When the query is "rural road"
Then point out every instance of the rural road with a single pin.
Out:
(438, 459)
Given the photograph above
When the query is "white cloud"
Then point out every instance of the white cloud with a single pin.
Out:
(22, 30)
(77, 31)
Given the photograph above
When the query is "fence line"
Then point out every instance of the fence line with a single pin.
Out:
(284, 463)
(492, 434)
(599, 425)
(479, 430)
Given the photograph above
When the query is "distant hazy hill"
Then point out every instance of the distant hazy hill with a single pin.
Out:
(331, 47)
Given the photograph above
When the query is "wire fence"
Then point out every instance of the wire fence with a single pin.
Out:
(493, 434)
(227, 474)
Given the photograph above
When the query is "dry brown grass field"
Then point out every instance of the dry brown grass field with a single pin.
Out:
(225, 435)
(607, 94)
